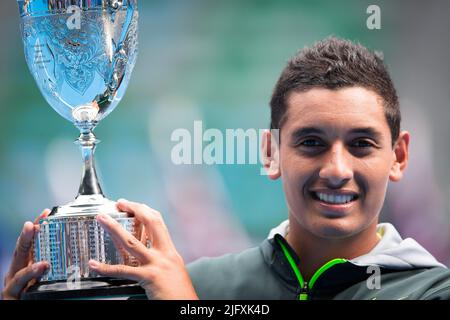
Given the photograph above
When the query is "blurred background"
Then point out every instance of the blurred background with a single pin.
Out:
(217, 61)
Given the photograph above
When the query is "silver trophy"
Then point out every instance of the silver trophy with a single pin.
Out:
(81, 54)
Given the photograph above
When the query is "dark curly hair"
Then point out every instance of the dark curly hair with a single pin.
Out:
(335, 63)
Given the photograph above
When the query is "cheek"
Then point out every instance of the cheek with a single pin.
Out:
(294, 175)
(376, 177)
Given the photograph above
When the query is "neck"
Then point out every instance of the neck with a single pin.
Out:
(314, 251)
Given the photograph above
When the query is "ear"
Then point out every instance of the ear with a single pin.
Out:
(401, 156)
(271, 154)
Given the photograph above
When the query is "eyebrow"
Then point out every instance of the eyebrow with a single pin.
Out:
(305, 131)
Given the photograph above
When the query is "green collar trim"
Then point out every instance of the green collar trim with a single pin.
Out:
(290, 258)
(291, 261)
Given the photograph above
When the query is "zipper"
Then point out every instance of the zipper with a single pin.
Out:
(304, 292)
(305, 286)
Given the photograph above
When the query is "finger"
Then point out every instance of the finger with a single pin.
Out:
(124, 238)
(18, 282)
(21, 255)
(43, 215)
(116, 271)
(143, 235)
(120, 249)
(155, 227)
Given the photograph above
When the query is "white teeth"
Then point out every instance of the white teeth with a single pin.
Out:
(331, 198)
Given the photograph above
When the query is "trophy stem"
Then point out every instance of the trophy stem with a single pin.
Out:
(89, 182)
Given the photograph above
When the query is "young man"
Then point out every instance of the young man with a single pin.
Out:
(339, 145)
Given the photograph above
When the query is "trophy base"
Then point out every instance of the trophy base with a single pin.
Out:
(71, 236)
(87, 289)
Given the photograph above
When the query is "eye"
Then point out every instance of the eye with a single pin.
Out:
(311, 143)
(362, 143)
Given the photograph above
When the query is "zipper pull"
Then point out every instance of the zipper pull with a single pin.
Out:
(304, 292)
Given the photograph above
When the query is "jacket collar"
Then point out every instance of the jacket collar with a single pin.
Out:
(331, 282)
(391, 252)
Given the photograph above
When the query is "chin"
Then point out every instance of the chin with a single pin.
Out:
(335, 229)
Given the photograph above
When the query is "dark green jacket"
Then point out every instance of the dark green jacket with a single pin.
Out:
(394, 269)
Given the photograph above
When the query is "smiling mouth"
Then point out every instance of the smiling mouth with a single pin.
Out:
(334, 198)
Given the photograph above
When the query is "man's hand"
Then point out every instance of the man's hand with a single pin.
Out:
(22, 272)
(161, 272)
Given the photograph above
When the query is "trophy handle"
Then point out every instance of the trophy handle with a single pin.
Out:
(131, 8)
(119, 52)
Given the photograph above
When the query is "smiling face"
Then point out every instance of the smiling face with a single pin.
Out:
(335, 160)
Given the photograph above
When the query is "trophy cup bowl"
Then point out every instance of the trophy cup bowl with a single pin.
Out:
(81, 54)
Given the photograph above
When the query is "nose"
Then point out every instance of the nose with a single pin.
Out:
(336, 169)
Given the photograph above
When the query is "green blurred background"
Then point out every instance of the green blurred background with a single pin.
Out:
(217, 61)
